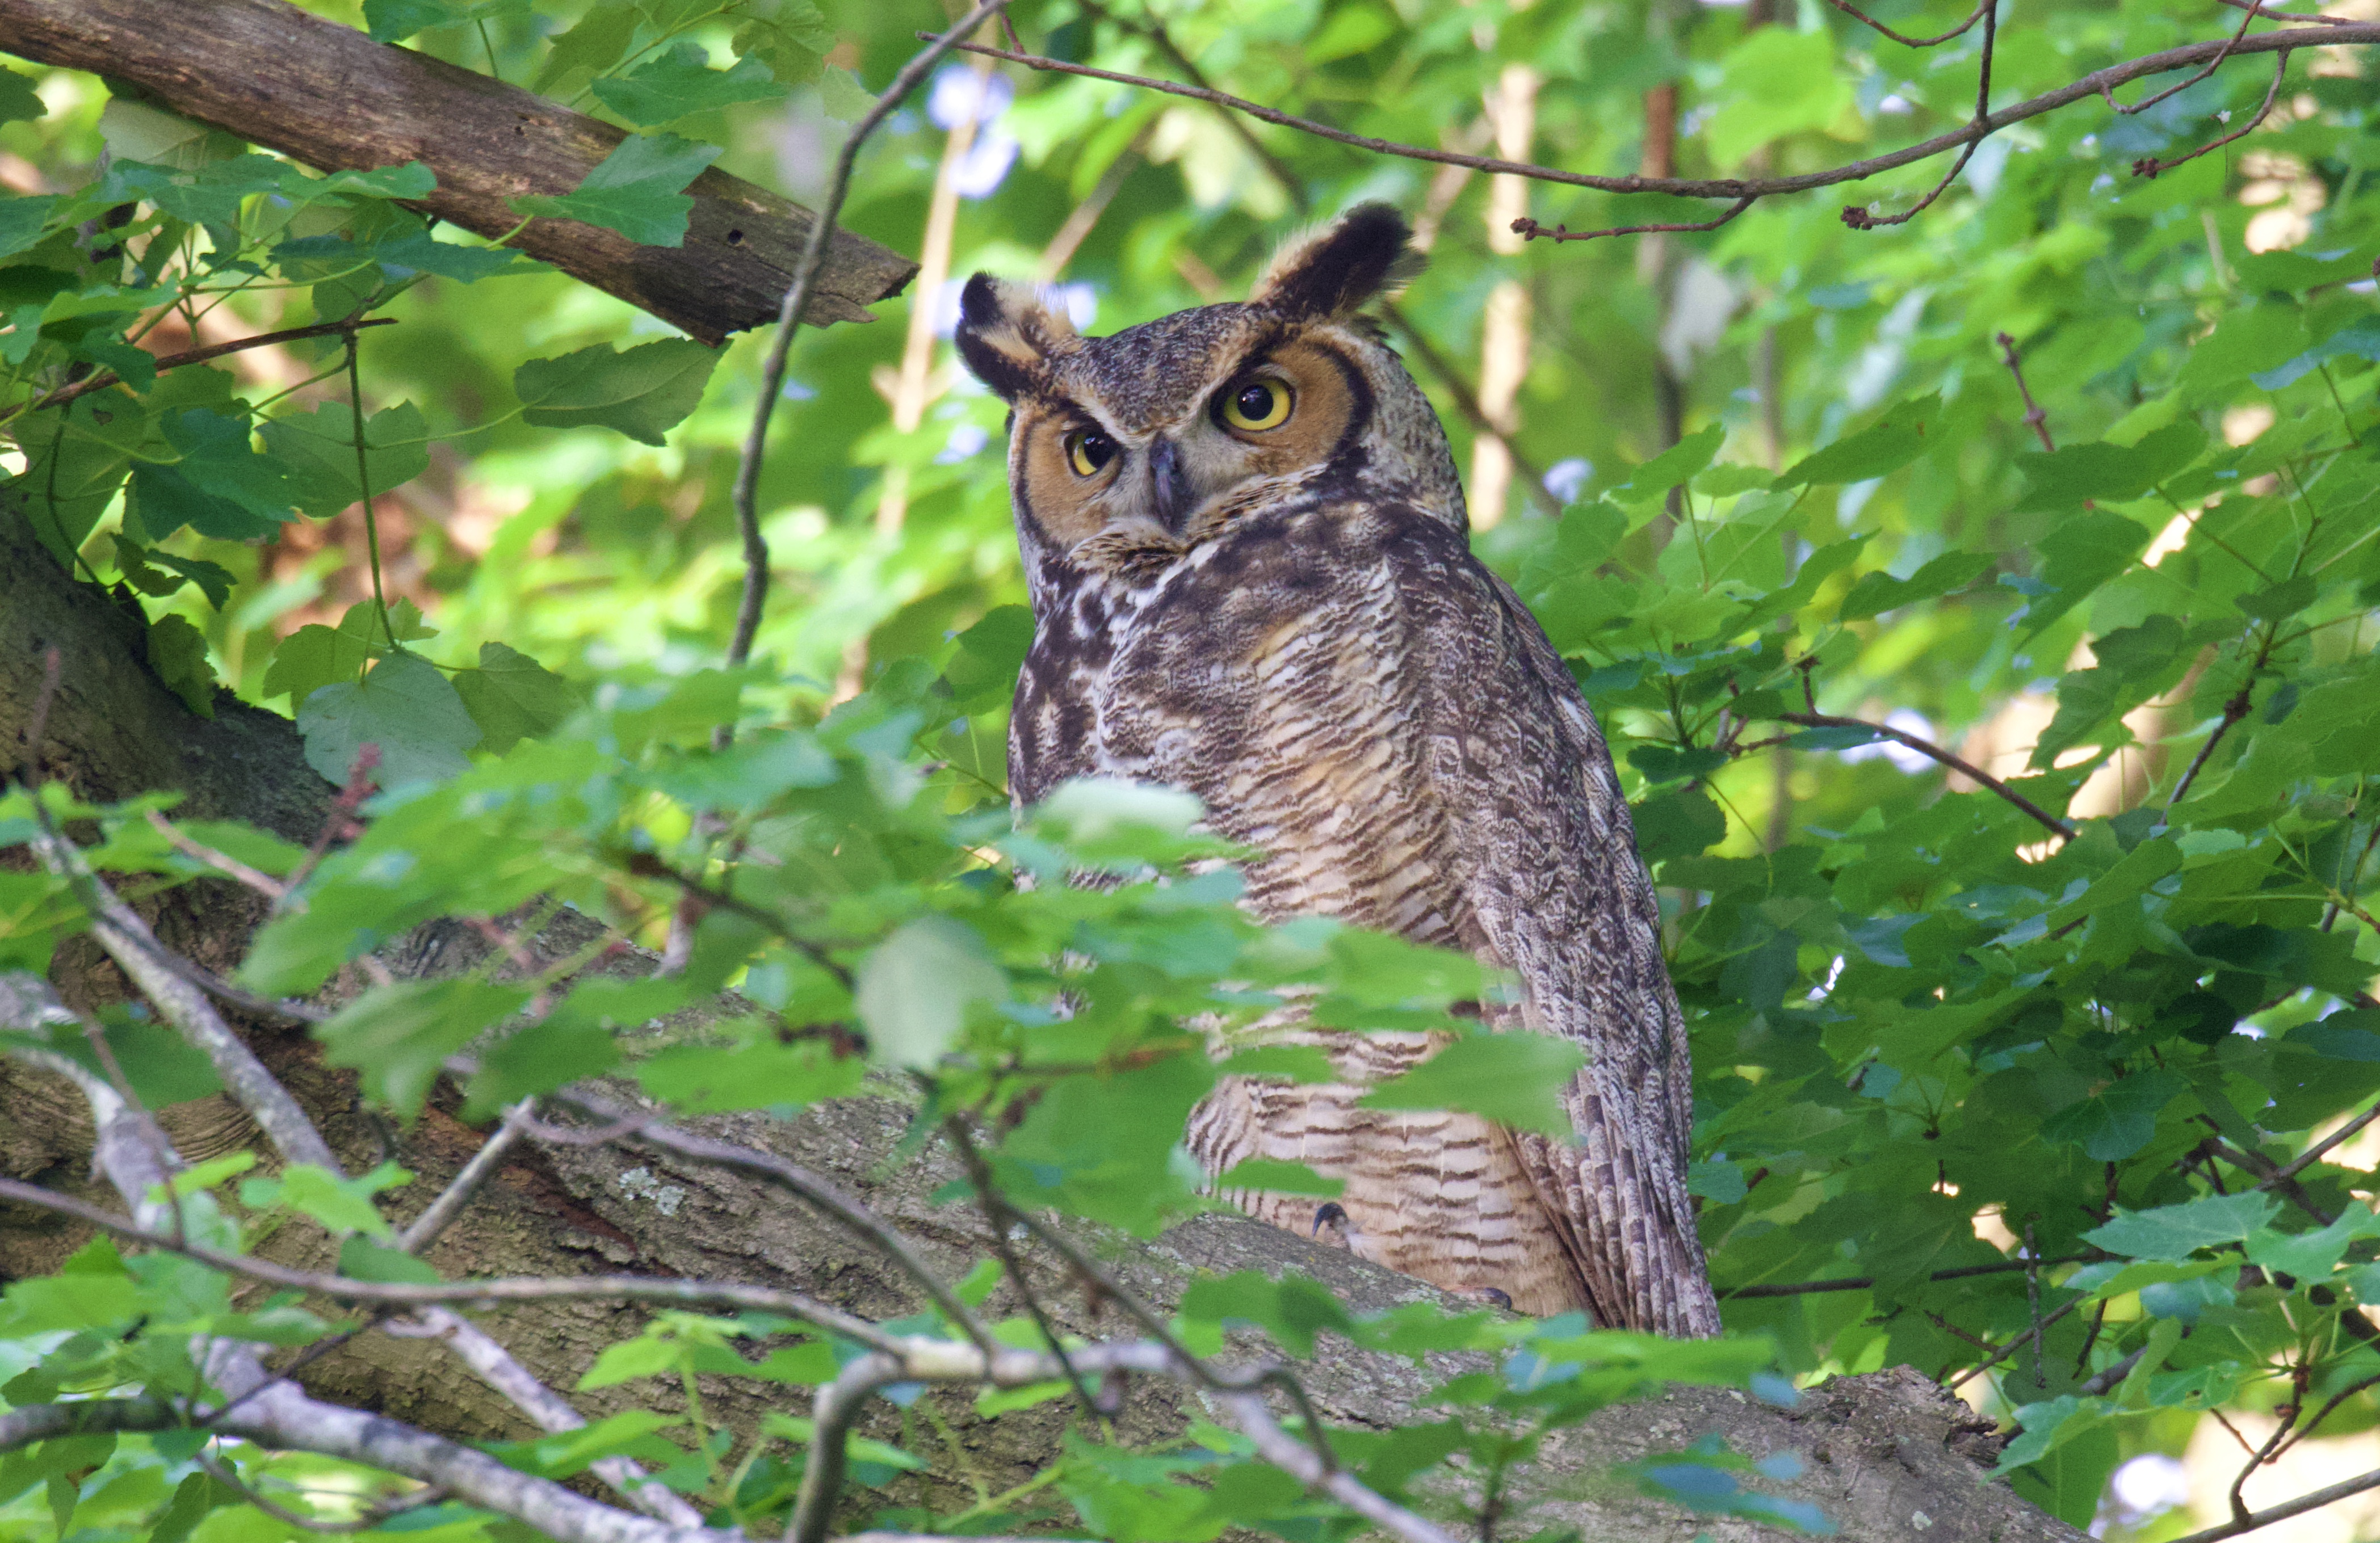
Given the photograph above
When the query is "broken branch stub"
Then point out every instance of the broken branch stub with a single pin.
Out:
(329, 96)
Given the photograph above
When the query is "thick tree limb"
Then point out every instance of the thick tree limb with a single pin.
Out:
(329, 96)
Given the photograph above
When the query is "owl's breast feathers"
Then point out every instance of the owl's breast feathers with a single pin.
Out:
(1349, 690)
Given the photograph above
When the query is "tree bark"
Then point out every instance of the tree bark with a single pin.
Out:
(329, 96)
(1877, 1452)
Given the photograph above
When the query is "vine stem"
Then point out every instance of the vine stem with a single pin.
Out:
(789, 313)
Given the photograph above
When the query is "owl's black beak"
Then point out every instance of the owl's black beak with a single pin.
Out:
(1171, 496)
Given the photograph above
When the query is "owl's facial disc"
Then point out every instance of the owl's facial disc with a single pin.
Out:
(1277, 414)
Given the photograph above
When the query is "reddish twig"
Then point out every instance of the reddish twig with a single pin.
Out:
(2149, 165)
(105, 378)
(1959, 31)
(1857, 216)
(1529, 230)
(2034, 416)
(222, 863)
(2254, 8)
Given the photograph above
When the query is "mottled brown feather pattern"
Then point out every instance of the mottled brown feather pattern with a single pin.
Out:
(1306, 642)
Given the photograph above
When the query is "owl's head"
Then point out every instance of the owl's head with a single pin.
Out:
(1159, 436)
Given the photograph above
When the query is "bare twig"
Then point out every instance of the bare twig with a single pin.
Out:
(2314, 1501)
(424, 1228)
(1959, 31)
(495, 1366)
(2013, 1345)
(1857, 216)
(772, 374)
(2034, 418)
(2356, 33)
(1935, 752)
(220, 1473)
(806, 1185)
(1529, 230)
(2267, 13)
(137, 951)
(832, 1410)
(222, 863)
(2314, 1153)
(2254, 9)
(628, 1288)
(2149, 165)
(101, 380)
(1861, 1282)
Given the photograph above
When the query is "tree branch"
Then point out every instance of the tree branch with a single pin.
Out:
(2314, 1500)
(2354, 33)
(105, 378)
(790, 312)
(142, 958)
(1935, 752)
(424, 1228)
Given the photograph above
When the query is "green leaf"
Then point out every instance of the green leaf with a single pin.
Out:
(681, 83)
(1878, 592)
(316, 656)
(318, 449)
(643, 393)
(2077, 555)
(1274, 1176)
(592, 44)
(2174, 1233)
(18, 100)
(2309, 1256)
(22, 220)
(760, 1075)
(1777, 81)
(2076, 472)
(1678, 464)
(406, 706)
(395, 20)
(161, 573)
(636, 190)
(1514, 1078)
(914, 988)
(221, 487)
(512, 698)
(177, 652)
(1678, 823)
(2119, 1120)
(1878, 450)
(397, 1035)
(362, 1260)
(340, 1204)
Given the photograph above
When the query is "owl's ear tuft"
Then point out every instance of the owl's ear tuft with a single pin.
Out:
(1008, 336)
(1334, 270)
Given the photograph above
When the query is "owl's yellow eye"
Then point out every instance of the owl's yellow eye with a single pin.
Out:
(1087, 450)
(1256, 404)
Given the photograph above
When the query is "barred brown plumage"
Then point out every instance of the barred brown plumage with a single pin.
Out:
(1286, 619)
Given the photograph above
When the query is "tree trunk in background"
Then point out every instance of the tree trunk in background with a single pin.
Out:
(1504, 328)
(1877, 1452)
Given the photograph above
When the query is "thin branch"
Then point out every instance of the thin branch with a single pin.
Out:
(2346, 33)
(1857, 216)
(1529, 230)
(2267, 13)
(340, 1288)
(2149, 165)
(1959, 31)
(425, 1228)
(2027, 1337)
(137, 951)
(789, 313)
(2254, 9)
(495, 1366)
(806, 1186)
(105, 378)
(1935, 752)
(1153, 30)
(220, 1473)
(1861, 1282)
(833, 1409)
(2314, 1500)
(2036, 419)
(229, 867)
(2314, 1153)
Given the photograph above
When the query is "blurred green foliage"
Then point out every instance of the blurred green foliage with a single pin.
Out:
(2068, 475)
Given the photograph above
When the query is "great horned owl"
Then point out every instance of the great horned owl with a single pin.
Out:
(1246, 547)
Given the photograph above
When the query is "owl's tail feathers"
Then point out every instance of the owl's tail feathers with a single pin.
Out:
(1629, 1220)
